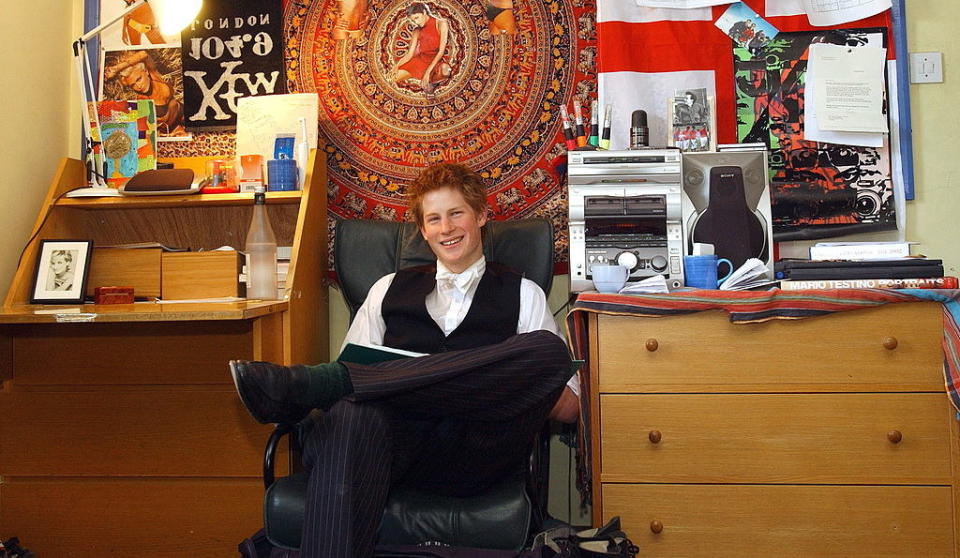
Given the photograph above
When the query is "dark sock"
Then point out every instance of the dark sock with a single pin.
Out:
(329, 383)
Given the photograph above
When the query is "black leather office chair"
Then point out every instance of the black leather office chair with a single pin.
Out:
(499, 518)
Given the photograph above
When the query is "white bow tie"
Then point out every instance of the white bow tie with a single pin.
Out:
(459, 281)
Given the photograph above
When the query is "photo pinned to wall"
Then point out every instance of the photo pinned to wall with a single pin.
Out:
(746, 27)
(692, 121)
(62, 270)
(139, 27)
(153, 73)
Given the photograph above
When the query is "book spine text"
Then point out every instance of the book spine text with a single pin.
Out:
(909, 283)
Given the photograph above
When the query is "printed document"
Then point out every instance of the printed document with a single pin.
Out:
(682, 4)
(848, 89)
(776, 8)
(812, 130)
(824, 13)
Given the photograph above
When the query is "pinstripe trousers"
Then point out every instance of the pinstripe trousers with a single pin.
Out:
(454, 423)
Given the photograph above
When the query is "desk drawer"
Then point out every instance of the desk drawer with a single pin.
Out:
(138, 353)
(134, 433)
(784, 438)
(840, 352)
(747, 520)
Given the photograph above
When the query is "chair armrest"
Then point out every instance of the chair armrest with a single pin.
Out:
(270, 451)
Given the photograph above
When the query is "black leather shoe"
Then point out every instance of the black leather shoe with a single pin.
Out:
(268, 390)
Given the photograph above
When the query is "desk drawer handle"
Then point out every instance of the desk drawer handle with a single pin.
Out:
(894, 436)
(655, 436)
(890, 343)
(656, 526)
(652, 345)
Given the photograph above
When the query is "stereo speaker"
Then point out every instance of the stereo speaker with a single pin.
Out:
(727, 204)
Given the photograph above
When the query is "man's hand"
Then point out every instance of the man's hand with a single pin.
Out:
(567, 408)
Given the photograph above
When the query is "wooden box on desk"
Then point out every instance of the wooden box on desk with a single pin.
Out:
(126, 267)
(200, 274)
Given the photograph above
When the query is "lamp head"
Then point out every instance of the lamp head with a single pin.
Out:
(174, 15)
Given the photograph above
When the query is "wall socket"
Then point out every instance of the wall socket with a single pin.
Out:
(926, 67)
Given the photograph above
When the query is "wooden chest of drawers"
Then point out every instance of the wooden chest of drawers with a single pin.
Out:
(827, 436)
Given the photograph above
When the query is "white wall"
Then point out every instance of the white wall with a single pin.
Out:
(36, 102)
(932, 218)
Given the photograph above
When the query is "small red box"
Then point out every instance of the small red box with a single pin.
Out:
(113, 295)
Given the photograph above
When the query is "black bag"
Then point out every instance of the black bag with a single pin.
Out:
(608, 541)
(439, 550)
(11, 548)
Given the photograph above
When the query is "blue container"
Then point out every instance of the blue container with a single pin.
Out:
(282, 174)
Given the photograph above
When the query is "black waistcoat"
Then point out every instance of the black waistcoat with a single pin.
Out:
(492, 317)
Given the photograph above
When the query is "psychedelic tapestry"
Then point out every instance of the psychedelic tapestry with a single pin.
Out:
(404, 84)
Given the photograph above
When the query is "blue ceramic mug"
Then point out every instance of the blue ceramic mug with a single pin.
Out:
(701, 271)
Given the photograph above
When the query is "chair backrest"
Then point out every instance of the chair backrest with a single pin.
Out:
(366, 250)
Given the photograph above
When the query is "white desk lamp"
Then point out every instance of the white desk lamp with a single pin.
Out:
(172, 15)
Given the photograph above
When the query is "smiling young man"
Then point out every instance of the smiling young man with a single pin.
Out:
(456, 421)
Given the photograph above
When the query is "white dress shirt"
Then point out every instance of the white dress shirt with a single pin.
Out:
(448, 305)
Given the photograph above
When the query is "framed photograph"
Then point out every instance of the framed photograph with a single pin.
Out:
(691, 114)
(62, 270)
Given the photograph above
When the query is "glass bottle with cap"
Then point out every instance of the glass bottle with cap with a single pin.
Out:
(261, 247)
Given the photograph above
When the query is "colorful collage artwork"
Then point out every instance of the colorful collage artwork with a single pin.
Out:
(129, 138)
(835, 189)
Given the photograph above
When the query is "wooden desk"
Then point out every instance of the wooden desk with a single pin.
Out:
(121, 434)
(813, 437)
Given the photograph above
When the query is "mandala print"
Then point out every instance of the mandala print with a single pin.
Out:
(404, 84)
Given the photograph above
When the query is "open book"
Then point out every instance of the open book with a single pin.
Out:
(361, 353)
(751, 275)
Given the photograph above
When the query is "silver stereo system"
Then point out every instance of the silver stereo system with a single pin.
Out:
(625, 209)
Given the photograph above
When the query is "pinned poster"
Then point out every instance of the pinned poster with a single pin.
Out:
(682, 4)
(260, 119)
(825, 13)
(776, 8)
(233, 49)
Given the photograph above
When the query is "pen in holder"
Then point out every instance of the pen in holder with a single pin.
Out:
(221, 177)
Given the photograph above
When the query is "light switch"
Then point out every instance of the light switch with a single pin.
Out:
(926, 67)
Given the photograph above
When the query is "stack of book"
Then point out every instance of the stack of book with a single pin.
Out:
(283, 266)
(862, 265)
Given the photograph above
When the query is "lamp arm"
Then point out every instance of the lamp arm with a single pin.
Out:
(99, 29)
(85, 81)
(88, 92)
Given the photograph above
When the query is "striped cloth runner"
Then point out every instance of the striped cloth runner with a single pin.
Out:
(748, 307)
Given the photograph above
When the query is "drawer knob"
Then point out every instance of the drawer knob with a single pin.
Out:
(890, 343)
(656, 526)
(894, 436)
(655, 436)
(652, 345)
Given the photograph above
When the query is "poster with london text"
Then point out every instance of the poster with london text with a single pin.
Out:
(233, 49)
